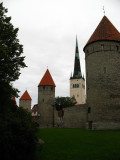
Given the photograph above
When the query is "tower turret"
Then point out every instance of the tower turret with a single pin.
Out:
(46, 99)
(77, 83)
(102, 55)
(25, 101)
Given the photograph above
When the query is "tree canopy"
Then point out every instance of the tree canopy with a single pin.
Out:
(64, 102)
(10, 50)
(11, 60)
(17, 130)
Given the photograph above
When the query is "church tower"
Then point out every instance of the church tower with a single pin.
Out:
(46, 100)
(102, 55)
(77, 82)
(25, 101)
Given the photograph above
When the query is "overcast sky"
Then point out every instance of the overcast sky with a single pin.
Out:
(48, 29)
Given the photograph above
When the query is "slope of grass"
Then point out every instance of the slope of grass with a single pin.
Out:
(77, 144)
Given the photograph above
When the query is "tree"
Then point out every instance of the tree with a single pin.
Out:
(11, 60)
(18, 138)
(64, 102)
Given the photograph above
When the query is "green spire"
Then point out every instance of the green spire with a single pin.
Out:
(76, 41)
(77, 69)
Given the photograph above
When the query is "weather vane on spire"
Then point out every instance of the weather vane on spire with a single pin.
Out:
(104, 10)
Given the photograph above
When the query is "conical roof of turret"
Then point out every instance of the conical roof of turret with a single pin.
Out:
(47, 80)
(25, 96)
(104, 31)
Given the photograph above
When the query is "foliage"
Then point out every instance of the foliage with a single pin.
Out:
(18, 134)
(17, 130)
(64, 102)
(10, 57)
(10, 49)
(79, 144)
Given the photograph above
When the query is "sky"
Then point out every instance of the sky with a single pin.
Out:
(47, 31)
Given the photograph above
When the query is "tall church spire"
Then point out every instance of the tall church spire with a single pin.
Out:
(77, 69)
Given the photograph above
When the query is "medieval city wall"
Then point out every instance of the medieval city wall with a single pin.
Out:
(74, 117)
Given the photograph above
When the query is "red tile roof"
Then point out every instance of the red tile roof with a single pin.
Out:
(25, 96)
(47, 80)
(35, 107)
(104, 31)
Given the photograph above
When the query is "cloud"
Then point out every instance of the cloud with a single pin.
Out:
(47, 30)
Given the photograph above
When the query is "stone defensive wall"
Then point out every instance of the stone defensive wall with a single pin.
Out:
(74, 117)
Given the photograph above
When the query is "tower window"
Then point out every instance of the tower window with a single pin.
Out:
(75, 85)
(51, 88)
(43, 100)
(89, 110)
(44, 87)
(102, 46)
(87, 51)
(117, 48)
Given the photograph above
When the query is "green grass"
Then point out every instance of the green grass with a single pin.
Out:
(77, 144)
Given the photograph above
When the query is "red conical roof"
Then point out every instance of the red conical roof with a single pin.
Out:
(25, 96)
(47, 80)
(104, 31)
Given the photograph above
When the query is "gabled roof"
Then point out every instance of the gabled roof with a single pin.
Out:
(35, 107)
(25, 96)
(47, 80)
(104, 31)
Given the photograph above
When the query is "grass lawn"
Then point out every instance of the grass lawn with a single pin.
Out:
(78, 144)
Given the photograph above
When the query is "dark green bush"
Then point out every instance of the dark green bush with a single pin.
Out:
(18, 137)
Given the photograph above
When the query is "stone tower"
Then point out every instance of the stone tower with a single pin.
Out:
(102, 55)
(25, 101)
(77, 82)
(46, 100)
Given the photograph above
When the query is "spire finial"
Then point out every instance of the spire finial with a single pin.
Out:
(104, 10)
(76, 41)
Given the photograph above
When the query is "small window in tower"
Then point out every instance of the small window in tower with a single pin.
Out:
(87, 51)
(73, 86)
(51, 88)
(105, 70)
(77, 85)
(43, 100)
(89, 110)
(117, 48)
(102, 46)
(44, 87)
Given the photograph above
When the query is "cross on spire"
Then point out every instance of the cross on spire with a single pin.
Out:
(104, 10)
